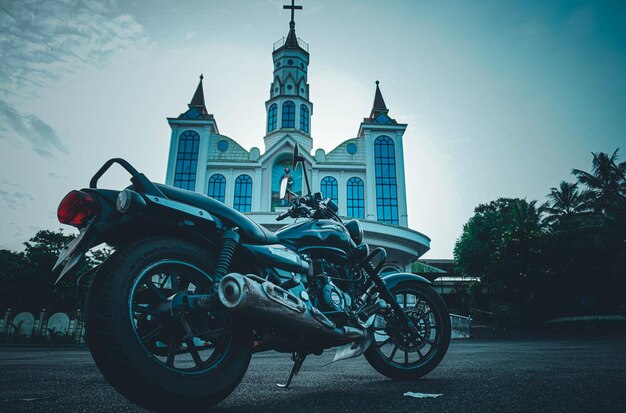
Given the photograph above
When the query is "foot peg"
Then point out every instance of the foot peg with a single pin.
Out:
(298, 359)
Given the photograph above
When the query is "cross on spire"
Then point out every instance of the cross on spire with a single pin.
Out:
(293, 8)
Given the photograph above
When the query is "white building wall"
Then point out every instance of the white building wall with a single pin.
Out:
(400, 179)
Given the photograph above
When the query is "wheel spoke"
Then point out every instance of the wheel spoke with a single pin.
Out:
(144, 310)
(191, 346)
(393, 352)
(156, 290)
(152, 334)
(406, 357)
(171, 352)
(175, 283)
(384, 342)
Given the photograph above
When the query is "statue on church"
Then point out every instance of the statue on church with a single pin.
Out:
(286, 183)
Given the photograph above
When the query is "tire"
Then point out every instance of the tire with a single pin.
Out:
(385, 359)
(112, 331)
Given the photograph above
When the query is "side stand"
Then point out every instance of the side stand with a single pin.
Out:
(298, 359)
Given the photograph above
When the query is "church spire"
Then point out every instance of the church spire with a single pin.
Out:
(292, 39)
(379, 103)
(197, 101)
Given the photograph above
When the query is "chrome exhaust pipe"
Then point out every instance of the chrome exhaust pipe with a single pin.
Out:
(260, 298)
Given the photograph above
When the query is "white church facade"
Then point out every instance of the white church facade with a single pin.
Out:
(364, 175)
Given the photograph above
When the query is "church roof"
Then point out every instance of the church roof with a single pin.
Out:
(197, 107)
(292, 39)
(198, 97)
(379, 112)
(379, 103)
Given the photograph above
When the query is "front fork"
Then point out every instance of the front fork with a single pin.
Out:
(379, 284)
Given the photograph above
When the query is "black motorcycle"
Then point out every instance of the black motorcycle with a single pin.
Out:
(194, 288)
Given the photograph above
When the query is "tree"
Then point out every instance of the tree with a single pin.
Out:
(503, 245)
(565, 203)
(606, 183)
(28, 284)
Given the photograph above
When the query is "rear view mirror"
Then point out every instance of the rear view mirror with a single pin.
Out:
(283, 187)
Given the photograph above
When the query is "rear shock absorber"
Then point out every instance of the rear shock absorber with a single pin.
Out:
(230, 242)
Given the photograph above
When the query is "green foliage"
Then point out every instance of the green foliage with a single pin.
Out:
(502, 244)
(26, 277)
(566, 257)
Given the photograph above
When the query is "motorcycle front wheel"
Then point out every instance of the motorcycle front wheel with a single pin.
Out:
(155, 357)
(398, 354)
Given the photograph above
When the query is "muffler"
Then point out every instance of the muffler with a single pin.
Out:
(260, 298)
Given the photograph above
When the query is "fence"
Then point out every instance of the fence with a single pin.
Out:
(70, 327)
(58, 326)
(461, 326)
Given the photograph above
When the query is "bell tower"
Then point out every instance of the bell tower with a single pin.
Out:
(289, 109)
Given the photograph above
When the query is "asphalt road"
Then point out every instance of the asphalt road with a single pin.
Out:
(510, 373)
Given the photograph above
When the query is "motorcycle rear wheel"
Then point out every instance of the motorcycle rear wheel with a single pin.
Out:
(398, 355)
(146, 355)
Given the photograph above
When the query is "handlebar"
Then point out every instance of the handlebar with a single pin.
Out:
(311, 206)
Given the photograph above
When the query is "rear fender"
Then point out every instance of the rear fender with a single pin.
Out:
(160, 216)
(392, 280)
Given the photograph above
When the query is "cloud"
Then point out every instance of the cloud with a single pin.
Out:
(44, 140)
(55, 176)
(45, 40)
(15, 200)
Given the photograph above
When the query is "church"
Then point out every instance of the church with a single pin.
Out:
(364, 175)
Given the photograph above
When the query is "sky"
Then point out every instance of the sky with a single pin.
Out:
(502, 98)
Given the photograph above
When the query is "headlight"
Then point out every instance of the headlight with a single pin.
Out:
(355, 230)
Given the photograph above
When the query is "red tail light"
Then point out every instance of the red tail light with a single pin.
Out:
(76, 209)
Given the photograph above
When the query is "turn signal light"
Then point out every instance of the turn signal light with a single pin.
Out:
(76, 209)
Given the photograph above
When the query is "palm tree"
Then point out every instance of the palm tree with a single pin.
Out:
(565, 202)
(526, 214)
(606, 182)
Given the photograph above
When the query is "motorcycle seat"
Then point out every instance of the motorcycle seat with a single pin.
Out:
(248, 229)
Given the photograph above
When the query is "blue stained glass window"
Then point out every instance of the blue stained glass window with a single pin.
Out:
(187, 160)
(217, 187)
(271, 117)
(289, 114)
(356, 198)
(386, 185)
(243, 193)
(328, 188)
(304, 118)
(222, 145)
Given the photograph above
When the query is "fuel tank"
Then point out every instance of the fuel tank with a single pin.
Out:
(315, 234)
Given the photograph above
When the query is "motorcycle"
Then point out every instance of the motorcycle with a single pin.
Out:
(194, 288)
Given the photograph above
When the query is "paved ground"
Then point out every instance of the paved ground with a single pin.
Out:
(510, 373)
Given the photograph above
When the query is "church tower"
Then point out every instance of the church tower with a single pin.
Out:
(289, 109)
(189, 144)
(384, 160)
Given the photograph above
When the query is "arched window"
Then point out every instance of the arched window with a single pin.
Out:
(272, 113)
(386, 186)
(243, 193)
(289, 114)
(328, 187)
(217, 187)
(304, 118)
(187, 160)
(356, 198)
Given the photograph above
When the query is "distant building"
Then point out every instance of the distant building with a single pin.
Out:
(364, 175)
(451, 285)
